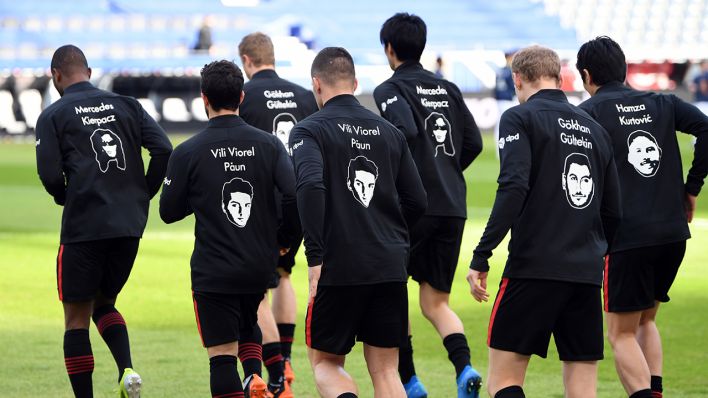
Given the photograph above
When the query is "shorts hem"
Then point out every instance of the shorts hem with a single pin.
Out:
(582, 358)
(517, 351)
(329, 351)
(447, 289)
(219, 342)
(630, 309)
(82, 299)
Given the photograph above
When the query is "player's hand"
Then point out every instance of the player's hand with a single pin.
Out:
(313, 275)
(478, 285)
(283, 251)
(689, 204)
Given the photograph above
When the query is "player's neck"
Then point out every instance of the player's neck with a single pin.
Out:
(334, 92)
(221, 112)
(261, 68)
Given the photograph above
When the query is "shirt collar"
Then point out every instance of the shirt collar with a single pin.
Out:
(342, 100)
(225, 121)
(612, 86)
(550, 94)
(408, 65)
(264, 74)
(77, 87)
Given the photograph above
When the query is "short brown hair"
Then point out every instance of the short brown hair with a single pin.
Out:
(333, 65)
(534, 62)
(258, 47)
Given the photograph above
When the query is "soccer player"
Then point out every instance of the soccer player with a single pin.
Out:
(89, 159)
(226, 176)
(276, 105)
(558, 192)
(444, 140)
(657, 206)
(357, 191)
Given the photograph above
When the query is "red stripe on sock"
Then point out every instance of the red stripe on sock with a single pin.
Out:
(308, 323)
(199, 325)
(607, 282)
(109, 320)
(81, 364)
(273, 359)
(502, 289)
(59, 271)
(656, 394)
(284, 339)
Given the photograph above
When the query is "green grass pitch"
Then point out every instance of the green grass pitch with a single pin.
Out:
(157, 306)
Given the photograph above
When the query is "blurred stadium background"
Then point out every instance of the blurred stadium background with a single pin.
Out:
(152, 49)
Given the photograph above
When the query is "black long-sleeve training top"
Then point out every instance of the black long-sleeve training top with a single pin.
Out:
(89, 159)
(441, 132)
(357, 191)
(275, 104)
(643, 128)
(226, 175)
(558, 192)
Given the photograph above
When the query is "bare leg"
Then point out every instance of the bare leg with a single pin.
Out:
(629, 360)
(580, 379)
(436, 308)
(77, 315)
(506, 369)
(383, 369)
(330, 377)
(649, 340)
(284, 305)
(267, 323)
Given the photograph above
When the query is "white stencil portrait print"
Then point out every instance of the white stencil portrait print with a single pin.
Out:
(236, 201)
(282, 124)
(440, 130)
(108, 148)
(362, 174)
(577, 181)
(643, 153)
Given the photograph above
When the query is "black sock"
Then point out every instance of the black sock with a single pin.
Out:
(641, 394)
(347, 395)
(406, 368)
(287, 334)
(111, 326)
(457, 351)
(656, 386)
(510, 392)
(273, 361)
(78, 359)
(224, 379)
(250, 351)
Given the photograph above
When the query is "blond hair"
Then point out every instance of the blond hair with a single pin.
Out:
(259, 49)
(535, 62)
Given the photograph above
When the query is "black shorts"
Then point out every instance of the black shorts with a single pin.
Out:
(85, 269)
(526, 312)
(373, 314)
(222, 318)
(286, 263)
(435, 248)
(636, 278)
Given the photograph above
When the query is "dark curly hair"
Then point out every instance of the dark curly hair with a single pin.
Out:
(222, 82)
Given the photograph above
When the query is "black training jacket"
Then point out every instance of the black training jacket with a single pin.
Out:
(643, 128)
(357, 191)
(89, 159)
(226, 176)
(274, 104)
(558, 192)
(441, 132)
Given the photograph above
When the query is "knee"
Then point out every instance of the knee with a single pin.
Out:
(615, 337)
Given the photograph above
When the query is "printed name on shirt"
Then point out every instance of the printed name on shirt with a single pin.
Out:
(433, 104)
(572, 124)
(98, 121)
(388, 102)
(233, 152)
(571, 139)
(508, 138)
(633, 121)
(275, 97)
(359, 130)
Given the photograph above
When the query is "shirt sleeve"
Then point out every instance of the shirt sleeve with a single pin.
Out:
(158, 145)
(411, 193)
(472, 138)
(691, 120)
(310, 192)
(514, 172)
(611, 207)
(285, 182)
(49, 160)
(395, 109)
(174, 200)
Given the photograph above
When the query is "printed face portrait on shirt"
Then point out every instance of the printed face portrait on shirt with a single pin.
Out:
(577, 181)
(361, 179)
(282, 124)
(108, 148)
(439, 129)
(236, 201)
(644, 154)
